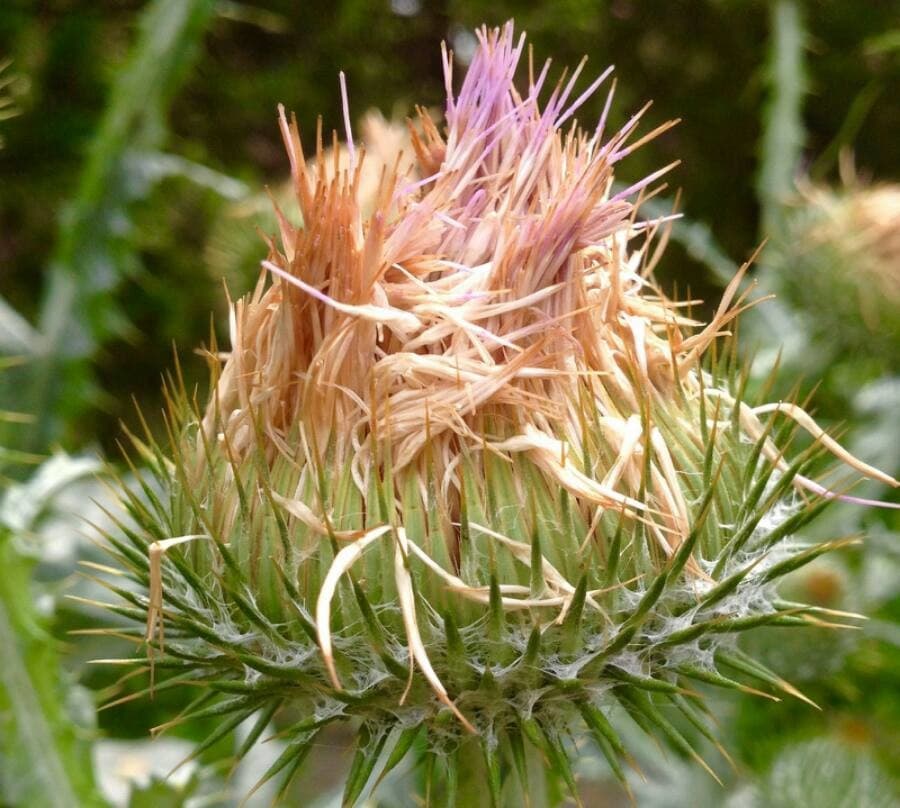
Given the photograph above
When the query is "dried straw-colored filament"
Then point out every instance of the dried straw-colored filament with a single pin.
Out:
(155, 618)
(407, 600)
(343, 561)
(155, 621)
(749, 418)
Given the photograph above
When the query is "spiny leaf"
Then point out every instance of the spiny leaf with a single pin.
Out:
(559, 759)
(158, 687)
(739, 661)
(802, 558)
(517, 752)
(457, 658)
(291, 759)
(684, 551)
(571, 627)
(750, 523)
(219, 731)
(404, 743)
(724, 588)
(537, 559)
(650, 683)
(376, 631)
(718, 680)
(263, 720)
(643, 705)
(615, 552)
(370, 742)
(492, 764)
(240, 704)
(696, 719)
(496, 614)
(606, 739)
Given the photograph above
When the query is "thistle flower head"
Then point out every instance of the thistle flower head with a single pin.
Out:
(462, 472)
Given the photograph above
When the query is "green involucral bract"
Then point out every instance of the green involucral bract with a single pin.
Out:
(463, 478)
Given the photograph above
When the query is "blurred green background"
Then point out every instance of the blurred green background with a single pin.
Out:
(130, 177)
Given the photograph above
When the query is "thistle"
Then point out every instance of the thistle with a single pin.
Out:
(839, 269)
(8, 107)
(464, 479)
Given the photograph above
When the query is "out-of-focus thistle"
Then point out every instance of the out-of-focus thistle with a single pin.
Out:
(462, 479)
(839, 269)
(8, 107)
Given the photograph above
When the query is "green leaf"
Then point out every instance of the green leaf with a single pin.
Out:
(46, 760)
(24, 503)
(153, 166)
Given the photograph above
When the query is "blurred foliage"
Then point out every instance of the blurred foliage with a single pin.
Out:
(131, 183)
(94, 248)
(46, 719)
(783, 133)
